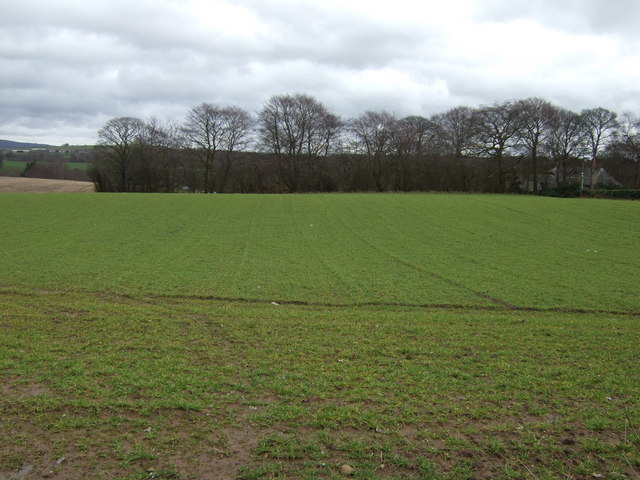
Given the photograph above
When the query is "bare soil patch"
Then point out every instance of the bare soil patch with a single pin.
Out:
(19, 391)
(43, 185)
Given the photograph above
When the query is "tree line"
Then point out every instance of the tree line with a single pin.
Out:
(296, 144)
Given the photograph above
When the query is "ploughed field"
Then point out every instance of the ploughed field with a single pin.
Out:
(43, 185)
(291, 336)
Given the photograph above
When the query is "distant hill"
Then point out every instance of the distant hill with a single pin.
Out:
(9, 145)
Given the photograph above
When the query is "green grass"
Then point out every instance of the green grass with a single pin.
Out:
(134, 342)
(9, 166)
(338, 249)
(78, 166)
(12, 165)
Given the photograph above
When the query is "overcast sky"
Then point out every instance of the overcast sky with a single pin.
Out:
(67, 66)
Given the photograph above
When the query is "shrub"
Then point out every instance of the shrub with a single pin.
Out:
(565, 191)
(618, 193)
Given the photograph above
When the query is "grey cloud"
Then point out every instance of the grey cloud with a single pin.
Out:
(337, 37)
(616, 17)
(71, 64)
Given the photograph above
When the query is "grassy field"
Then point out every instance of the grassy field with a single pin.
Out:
(16, 166)
(78, 166)
(12, 167)
(404, 336)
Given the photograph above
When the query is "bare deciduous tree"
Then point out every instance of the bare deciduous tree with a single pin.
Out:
(414, 139)
(211, 131)
(237, 125)
(414, 135)
(296, 128)
(628, 143)
(372, 133)
(158, 145)
(117, 140)
(600, 126)
(496, 136)
(457, 130)
(566, 143)
(537, 120)
(203, 134)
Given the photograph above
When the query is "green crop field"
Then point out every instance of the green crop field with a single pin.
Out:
(12, 166)
(16, 166)
(78, 166)
(319, 336)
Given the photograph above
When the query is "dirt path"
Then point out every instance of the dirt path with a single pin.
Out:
(43, 185)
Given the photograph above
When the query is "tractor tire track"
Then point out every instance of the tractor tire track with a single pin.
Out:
(322, 260)
(401, 261)
(151, 297)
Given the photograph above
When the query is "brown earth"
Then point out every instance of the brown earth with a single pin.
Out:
(43, 185)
